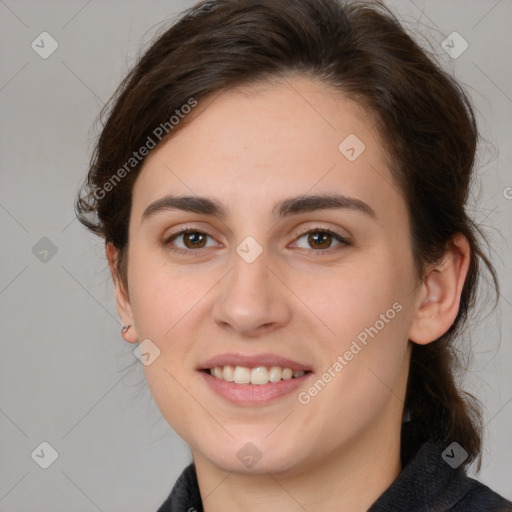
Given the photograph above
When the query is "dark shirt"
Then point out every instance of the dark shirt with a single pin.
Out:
(427, 483)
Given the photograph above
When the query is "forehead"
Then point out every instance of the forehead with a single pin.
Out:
(256, 145)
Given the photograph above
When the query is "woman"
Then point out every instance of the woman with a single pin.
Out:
(281, 186)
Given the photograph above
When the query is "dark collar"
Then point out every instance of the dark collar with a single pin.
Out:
(429, 483)
(185, 495)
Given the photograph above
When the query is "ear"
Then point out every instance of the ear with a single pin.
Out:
(123, 305)
(439, 297)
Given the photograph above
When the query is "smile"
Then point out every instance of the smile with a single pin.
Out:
(259, 375)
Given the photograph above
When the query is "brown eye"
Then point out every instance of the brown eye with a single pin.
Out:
(194, 240)
(188, 239)
(321, 240)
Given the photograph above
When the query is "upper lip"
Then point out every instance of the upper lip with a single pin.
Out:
(252, 361)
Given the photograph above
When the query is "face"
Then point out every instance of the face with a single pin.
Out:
(279, 275)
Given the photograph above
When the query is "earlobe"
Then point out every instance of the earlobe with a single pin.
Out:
(439, 300)
(126, 336)
(124, 310)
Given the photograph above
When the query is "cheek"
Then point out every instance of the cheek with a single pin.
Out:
(168, 389)
(373, 341)
(356, 295)
(367, 309)
(161, 295)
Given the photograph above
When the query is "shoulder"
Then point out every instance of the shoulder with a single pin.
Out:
(480, 498)
(428, 483)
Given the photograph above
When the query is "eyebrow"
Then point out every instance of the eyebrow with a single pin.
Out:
(285, 208)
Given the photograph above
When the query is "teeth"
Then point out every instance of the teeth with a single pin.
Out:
(259, 375)
(227, 373)
(242, 375)
(275, 374)
(287, 374)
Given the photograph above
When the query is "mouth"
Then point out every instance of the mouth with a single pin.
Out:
(257, 369)
(251, 380)
(249, 394)
(259, 375)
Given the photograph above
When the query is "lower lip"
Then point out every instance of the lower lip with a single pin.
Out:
(253, 394)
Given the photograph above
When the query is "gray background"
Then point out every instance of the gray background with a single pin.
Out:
(67, 377)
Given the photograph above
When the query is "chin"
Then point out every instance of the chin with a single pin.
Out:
(256, 457)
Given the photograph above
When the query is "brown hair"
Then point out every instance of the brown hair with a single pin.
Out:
(425, 120)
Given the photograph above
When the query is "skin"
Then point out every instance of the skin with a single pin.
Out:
(249, 149)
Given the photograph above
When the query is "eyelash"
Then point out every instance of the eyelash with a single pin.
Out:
(188, 229)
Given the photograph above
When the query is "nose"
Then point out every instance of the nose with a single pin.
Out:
(252, 299)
